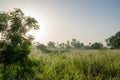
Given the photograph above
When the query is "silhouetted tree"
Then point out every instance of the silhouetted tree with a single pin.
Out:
(79, 45)
(96, 45)
(73, 43)
(43, 48)
(76, 44)
(114, 41)
(14, 44)
(62, 45)
(68, 44)
(51, 44)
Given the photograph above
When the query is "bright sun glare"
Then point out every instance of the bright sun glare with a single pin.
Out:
(40, 33)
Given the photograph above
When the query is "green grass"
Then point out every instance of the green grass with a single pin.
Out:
(71, 65)
(78, 65)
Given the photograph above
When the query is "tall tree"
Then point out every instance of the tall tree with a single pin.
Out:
(76, 44)
(62, 45)
(51, 44)
(73, 43)
(68, 44)
(43, 48)
(114, 41)
(96, 45)
(14, 43)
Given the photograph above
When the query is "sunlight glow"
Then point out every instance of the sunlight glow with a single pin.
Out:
(41, 32)
(38, 34)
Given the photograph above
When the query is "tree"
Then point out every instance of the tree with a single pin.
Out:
(73, 43)
(68, 44)
(114, 41)
(79, 45)
(62, 45)
(43, 48)
(51, 44)
(76, 44)
(96, 45)
(14, 43)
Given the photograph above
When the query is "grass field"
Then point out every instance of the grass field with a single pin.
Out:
(78, 65)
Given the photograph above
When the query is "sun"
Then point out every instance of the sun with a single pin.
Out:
(38, 34)
(42, 31)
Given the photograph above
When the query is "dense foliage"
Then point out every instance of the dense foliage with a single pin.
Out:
(96, 45)
(14, 43)
(114, 41)
(51, 44)
(43, 48)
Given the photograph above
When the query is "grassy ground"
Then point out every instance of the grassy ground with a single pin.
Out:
(78, 65)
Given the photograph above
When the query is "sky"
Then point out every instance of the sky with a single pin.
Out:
(88, 21)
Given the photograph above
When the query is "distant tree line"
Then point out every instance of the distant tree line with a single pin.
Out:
(74, 44)
(112, 43)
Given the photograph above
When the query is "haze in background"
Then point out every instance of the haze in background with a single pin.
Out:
(62, 20)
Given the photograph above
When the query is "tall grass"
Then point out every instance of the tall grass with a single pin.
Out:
(78, 65)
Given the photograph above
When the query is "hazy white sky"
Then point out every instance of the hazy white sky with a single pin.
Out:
(62, 20)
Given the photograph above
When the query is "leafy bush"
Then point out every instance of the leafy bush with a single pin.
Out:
(15, 46)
